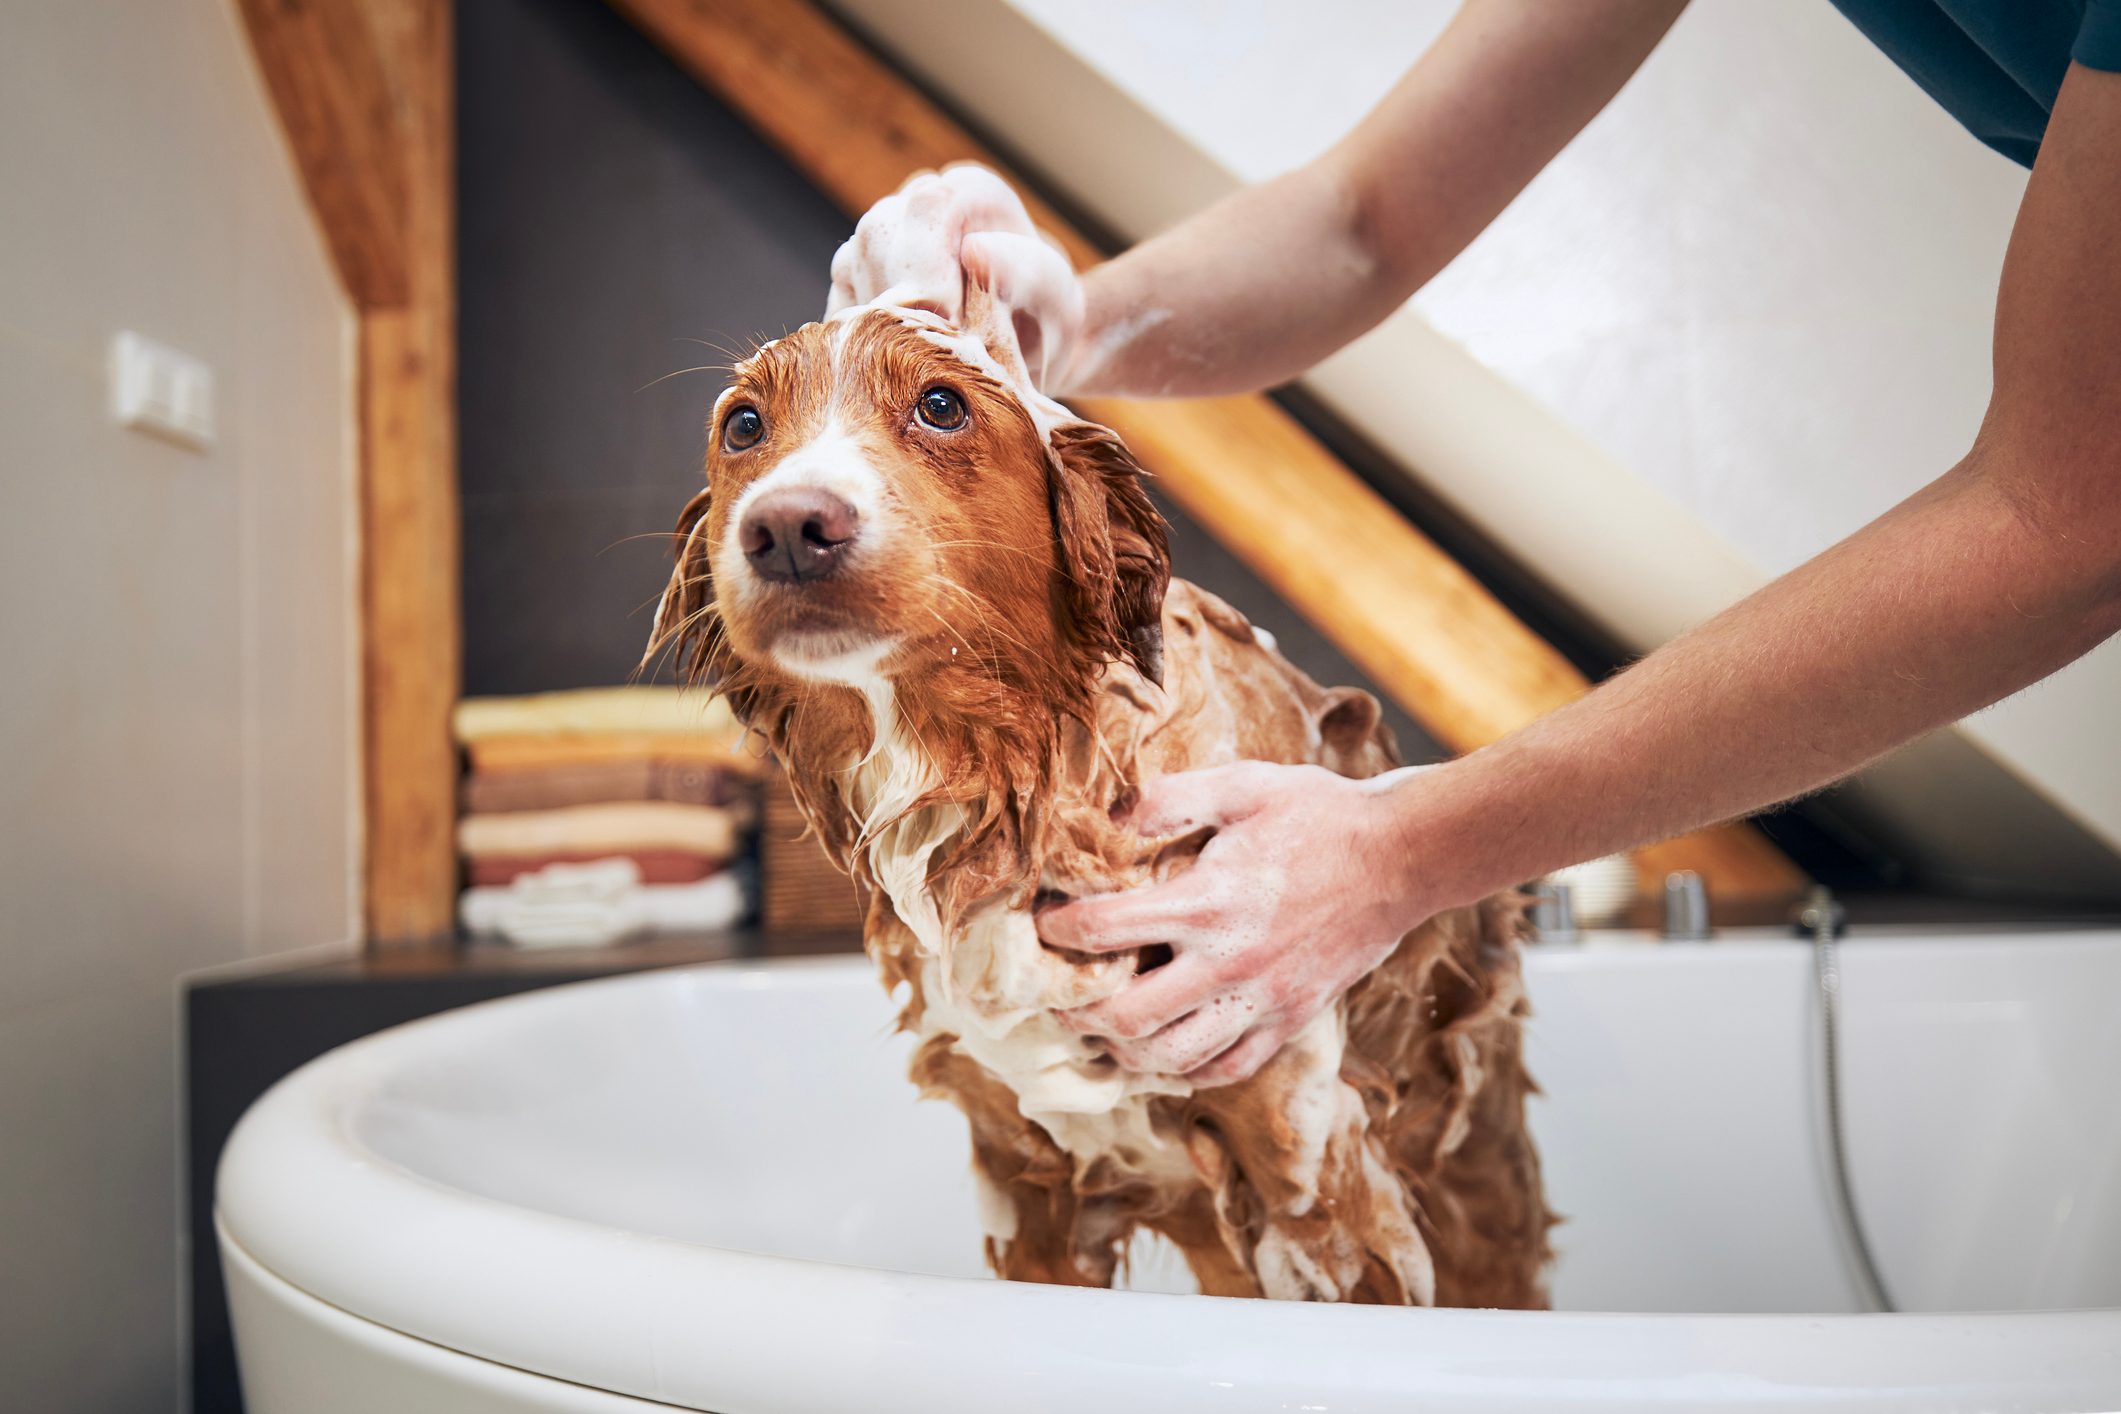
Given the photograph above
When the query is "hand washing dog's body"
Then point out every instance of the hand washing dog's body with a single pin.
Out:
(944, 602)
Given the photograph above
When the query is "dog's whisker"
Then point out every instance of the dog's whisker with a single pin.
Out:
(992, 670)
(647, 535)
(986, 622)
(723, 349)
(987, 545)
(641, 535)
(680, 372)
(952, 631)
(678, 632)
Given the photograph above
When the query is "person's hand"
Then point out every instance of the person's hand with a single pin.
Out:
(921, 245)
(1300, 892)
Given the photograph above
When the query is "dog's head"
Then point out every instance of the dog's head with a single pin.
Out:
(886, 503)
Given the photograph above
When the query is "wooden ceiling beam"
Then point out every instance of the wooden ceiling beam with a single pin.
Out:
(324, 66)
(365, 92)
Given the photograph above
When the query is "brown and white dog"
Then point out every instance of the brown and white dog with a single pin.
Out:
(945, 604)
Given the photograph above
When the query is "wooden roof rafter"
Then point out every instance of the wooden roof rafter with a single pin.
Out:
(363, 90)
(323, 63)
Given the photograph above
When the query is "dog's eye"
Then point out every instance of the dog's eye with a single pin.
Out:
(942, 409)
(742, 428)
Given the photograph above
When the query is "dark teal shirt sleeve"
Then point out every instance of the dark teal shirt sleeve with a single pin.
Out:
(2098, 43)
(1995, 65)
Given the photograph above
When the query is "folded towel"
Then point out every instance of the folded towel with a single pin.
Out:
(597, 711)
(601, 830)
(529, 752)
(656, 866)
(593, 782)
(588, 905)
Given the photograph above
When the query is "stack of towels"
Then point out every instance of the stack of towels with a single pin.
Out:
(592, 816)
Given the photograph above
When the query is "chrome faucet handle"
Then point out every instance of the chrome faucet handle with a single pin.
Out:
(1820, 912)
(1686, 907)
(1554, 912)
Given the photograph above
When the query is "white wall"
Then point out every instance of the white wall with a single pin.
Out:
(177, 713)
(1743, 314)
(1763, 279)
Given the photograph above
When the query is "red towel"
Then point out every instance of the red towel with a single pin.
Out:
(657, 866)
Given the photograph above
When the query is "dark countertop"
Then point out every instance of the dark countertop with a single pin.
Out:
(464, 960)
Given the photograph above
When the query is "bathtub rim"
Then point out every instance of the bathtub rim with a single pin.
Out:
(504, 1284)
(334, 1350)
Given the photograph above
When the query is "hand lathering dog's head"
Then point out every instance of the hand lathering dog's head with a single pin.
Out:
(884, 504)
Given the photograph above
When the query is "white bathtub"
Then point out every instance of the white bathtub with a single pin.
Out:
(713, 1189)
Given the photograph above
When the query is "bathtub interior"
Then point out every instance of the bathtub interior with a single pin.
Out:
(766, 1110)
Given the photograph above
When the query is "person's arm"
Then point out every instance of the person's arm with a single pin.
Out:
(1995, 575)
(1260, 286)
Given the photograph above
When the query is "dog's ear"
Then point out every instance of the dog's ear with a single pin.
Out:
(1348, 719)
(1352, 734)
(682, 614)
(1115, 559)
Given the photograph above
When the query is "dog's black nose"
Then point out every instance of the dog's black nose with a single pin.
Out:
(797, 533)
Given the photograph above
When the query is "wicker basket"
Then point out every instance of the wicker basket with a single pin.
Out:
(801, 890)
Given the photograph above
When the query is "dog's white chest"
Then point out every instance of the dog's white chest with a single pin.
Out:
(995, 988)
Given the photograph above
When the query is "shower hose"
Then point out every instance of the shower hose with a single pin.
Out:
(1821, 918)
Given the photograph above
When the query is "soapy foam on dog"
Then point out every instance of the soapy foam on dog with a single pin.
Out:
(995, 988)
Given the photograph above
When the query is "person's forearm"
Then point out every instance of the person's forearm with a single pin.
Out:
(1952, 601)
(1257, 288)
(1245, 294)
(1983, 582)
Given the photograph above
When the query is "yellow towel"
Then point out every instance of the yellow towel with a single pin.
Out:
(639, 711)
(587, 829)
(512, 753)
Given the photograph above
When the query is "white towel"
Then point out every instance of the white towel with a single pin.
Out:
(591, 905)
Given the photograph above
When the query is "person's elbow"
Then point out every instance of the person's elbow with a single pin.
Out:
(2062, 498)
(1366, 231)
(2104, 590)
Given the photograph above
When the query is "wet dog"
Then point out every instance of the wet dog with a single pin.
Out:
(945, 604)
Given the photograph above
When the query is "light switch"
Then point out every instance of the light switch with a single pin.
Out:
(159, 391)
